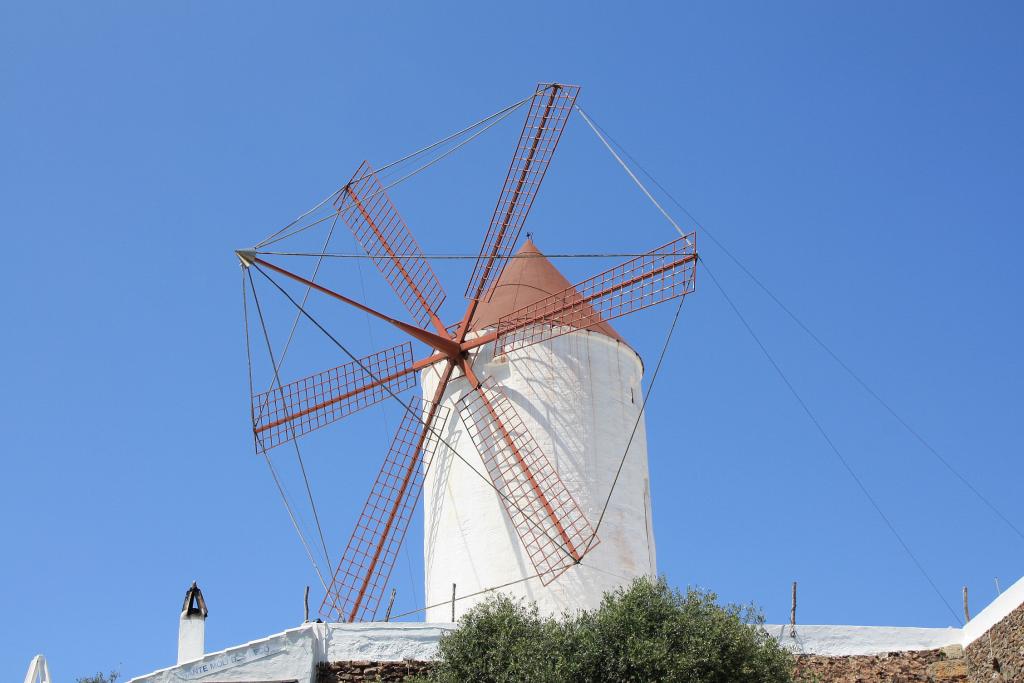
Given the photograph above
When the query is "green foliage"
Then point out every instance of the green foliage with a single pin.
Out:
(101, 678)
(644, 632)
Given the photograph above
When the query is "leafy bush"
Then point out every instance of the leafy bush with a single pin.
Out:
(100, 678)
(644, 632)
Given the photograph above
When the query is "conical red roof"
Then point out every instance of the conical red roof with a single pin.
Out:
(525, 281)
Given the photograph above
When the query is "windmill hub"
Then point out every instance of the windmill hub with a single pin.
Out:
(246, 256)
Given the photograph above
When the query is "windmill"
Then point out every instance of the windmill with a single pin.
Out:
(531, 524)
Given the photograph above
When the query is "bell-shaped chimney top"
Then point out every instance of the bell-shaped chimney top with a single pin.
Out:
(194, 603)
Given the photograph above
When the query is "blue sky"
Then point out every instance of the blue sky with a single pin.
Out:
(864, 161)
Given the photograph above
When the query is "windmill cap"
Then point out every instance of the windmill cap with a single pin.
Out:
(528, 278)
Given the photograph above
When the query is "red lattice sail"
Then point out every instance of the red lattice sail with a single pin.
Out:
(383, 234)
(548, 520)
(285, 413)
(365, 567)
(545, 120)
(660, 275)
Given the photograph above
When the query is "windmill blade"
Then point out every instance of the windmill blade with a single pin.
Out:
(545, 121)
(660, 275)
(383, 234)
(365, 567)
(552, 527)
(292, 410)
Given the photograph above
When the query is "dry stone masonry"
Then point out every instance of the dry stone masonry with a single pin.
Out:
(365, 670)
(998, 655)
(945, 665)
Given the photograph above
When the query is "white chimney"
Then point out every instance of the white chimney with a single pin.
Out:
(192, 626)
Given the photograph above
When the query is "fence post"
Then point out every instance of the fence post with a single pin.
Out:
(387, 616)
(792, 614)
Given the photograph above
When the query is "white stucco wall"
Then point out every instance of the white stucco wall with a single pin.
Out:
(862, 640)
(286, 656)
(579, 396)
(293, 654)
(383, 642)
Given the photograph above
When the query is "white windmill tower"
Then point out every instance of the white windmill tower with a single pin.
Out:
(529, 403)
(579, 397)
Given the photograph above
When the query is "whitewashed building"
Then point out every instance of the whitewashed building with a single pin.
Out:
(293, 656)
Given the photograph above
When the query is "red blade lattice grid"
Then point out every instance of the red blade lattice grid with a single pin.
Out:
(549, 522)
(283, 414)
(379, 228)
(545, 121)
(365, 567)
(664, 273)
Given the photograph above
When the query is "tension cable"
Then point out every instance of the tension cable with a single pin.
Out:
(825, 347)
(784, 378)
(492, 118)
(266, 456)
(294, 440)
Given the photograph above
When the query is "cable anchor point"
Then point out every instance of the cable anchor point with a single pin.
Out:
(246, 256)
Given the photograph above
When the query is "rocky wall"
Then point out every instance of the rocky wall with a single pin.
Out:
(928, 666)
(945, 665)
(366, 670)
(998, 655)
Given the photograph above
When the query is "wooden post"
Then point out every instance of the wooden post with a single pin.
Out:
(387, 616)
(967, 612)
(792, 614)
(305, 605)
(453, 602)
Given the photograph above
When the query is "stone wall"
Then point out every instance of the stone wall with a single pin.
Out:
(944, 665)
(366, 670)
(1000, 650)
(927, 666)
(998, 655)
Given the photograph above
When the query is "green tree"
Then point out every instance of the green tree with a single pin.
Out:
(101, 678)
(646, 631)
